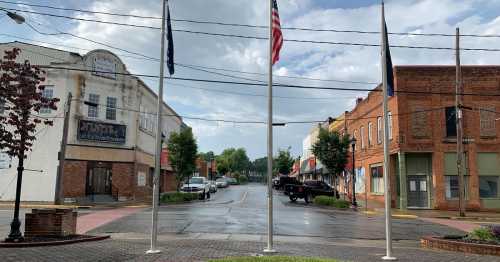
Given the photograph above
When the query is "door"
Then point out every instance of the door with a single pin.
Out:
(417, 191)
(99, 179)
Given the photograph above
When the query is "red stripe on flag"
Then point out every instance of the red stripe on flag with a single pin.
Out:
(277, 34)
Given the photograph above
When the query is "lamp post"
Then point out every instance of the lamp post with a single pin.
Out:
(15, 234)
(353, 145)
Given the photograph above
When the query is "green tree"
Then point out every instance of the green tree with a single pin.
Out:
(208, 156)
(332, 150)
(260, 165)
(182, 155)
(232, 160)
(283, 162)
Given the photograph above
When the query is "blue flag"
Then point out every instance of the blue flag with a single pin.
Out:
(388, 62)
(170, 50)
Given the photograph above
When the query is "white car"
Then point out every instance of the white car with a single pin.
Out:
(198, 185)
(221, 182)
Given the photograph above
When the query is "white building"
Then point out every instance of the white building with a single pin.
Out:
(111, 139)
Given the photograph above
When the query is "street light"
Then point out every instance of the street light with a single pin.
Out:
(15, 234)
(353, 144)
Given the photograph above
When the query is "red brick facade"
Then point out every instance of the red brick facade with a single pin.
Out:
(419, 129)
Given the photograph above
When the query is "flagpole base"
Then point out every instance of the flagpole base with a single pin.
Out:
(270, 250)
(389, 258)
(153, 251)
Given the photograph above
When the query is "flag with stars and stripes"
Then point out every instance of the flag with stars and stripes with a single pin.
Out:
(277, 34)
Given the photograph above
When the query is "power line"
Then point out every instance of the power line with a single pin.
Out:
(277, 85)
(247, 25)
(254, 37)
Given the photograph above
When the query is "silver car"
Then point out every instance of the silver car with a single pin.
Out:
(221, 182)
(213, 186)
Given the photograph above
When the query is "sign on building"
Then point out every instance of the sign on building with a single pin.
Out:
(141, 179)
(104, 67)
(101, 132)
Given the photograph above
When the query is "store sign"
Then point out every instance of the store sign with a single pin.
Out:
(104, 68)
(102, 132)
(141, 179)
(4, 161)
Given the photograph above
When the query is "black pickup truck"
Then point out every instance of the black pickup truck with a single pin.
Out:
(280, 182)
(308, 190)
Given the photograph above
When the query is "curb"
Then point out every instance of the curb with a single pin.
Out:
(52, 243)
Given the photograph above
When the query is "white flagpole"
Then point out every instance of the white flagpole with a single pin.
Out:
(156, 187)
(269, 248)
(387, 181)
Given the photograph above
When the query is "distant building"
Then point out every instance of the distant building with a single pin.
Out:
(112, 130)
(422, 133)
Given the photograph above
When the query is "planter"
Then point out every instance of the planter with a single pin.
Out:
(433, 242)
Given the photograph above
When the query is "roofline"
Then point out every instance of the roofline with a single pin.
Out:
(56, 49)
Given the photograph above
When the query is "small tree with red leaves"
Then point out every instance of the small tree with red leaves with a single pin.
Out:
(21, 96)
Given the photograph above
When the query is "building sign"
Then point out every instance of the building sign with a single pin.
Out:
(101, 132)
(4, 161)
(104, 67)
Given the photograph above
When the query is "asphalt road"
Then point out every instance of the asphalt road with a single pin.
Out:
(243, 210)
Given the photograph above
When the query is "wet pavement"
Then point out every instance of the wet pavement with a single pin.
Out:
(243, 210)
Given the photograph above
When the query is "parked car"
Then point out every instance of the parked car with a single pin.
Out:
(280, 182)
(197, 185)
(232, 181)
(308, 190)
(221, 182)
(213, 186)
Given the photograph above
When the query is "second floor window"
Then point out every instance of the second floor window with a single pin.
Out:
(48, 92)
(487, 121)
(111, 108)
(370, 131)
(94, 107)
(451, 121)
(379, 130)
(362, 135)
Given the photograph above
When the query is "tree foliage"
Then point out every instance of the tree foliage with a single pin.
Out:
(283, 163)
(21, 98)
(260, 165)
(182, 155)
(332, 150)
(208, 156)
(233, 160)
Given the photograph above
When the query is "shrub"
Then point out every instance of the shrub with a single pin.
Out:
(483, 234)
(243, 180)
(178, 197)
(331, 201)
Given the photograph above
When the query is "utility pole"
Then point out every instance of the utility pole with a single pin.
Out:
(156, 187)
(62, 151)
(459, 117)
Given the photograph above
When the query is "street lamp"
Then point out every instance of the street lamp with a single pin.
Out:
(353, 144)
(15, 234)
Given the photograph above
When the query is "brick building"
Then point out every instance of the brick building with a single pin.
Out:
(422, 132)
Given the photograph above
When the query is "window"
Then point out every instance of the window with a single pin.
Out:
(111, 108)
(94, 107)
(488, 186)
(389, 116)
(147, 120)
(2, 106)
(377, 179)
(370, 128)
(487, 121)
(362, 135)
(379, 130)
(451, 122)
(452, 188)
(47, 93)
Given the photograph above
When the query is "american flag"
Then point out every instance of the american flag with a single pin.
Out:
(277, 35)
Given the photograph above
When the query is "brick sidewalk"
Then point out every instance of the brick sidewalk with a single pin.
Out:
(96, 219)
(202, 250)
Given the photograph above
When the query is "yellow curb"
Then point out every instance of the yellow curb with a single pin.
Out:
(370, 212)
(404, 216)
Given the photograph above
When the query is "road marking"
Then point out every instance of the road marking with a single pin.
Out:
(244, 197)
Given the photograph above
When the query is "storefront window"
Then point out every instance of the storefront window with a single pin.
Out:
(377, 179)
(488, 186)
(452, 188)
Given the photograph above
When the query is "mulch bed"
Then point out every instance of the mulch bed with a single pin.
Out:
(52, 241)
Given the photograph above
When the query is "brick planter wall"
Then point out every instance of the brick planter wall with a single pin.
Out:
(450, 245)
(50, 222)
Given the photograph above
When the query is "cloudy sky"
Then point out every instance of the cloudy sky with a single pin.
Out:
(318, 61)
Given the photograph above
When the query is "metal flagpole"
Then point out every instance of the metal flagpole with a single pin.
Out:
(387, 182)
(156, 187)
(269, 248)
